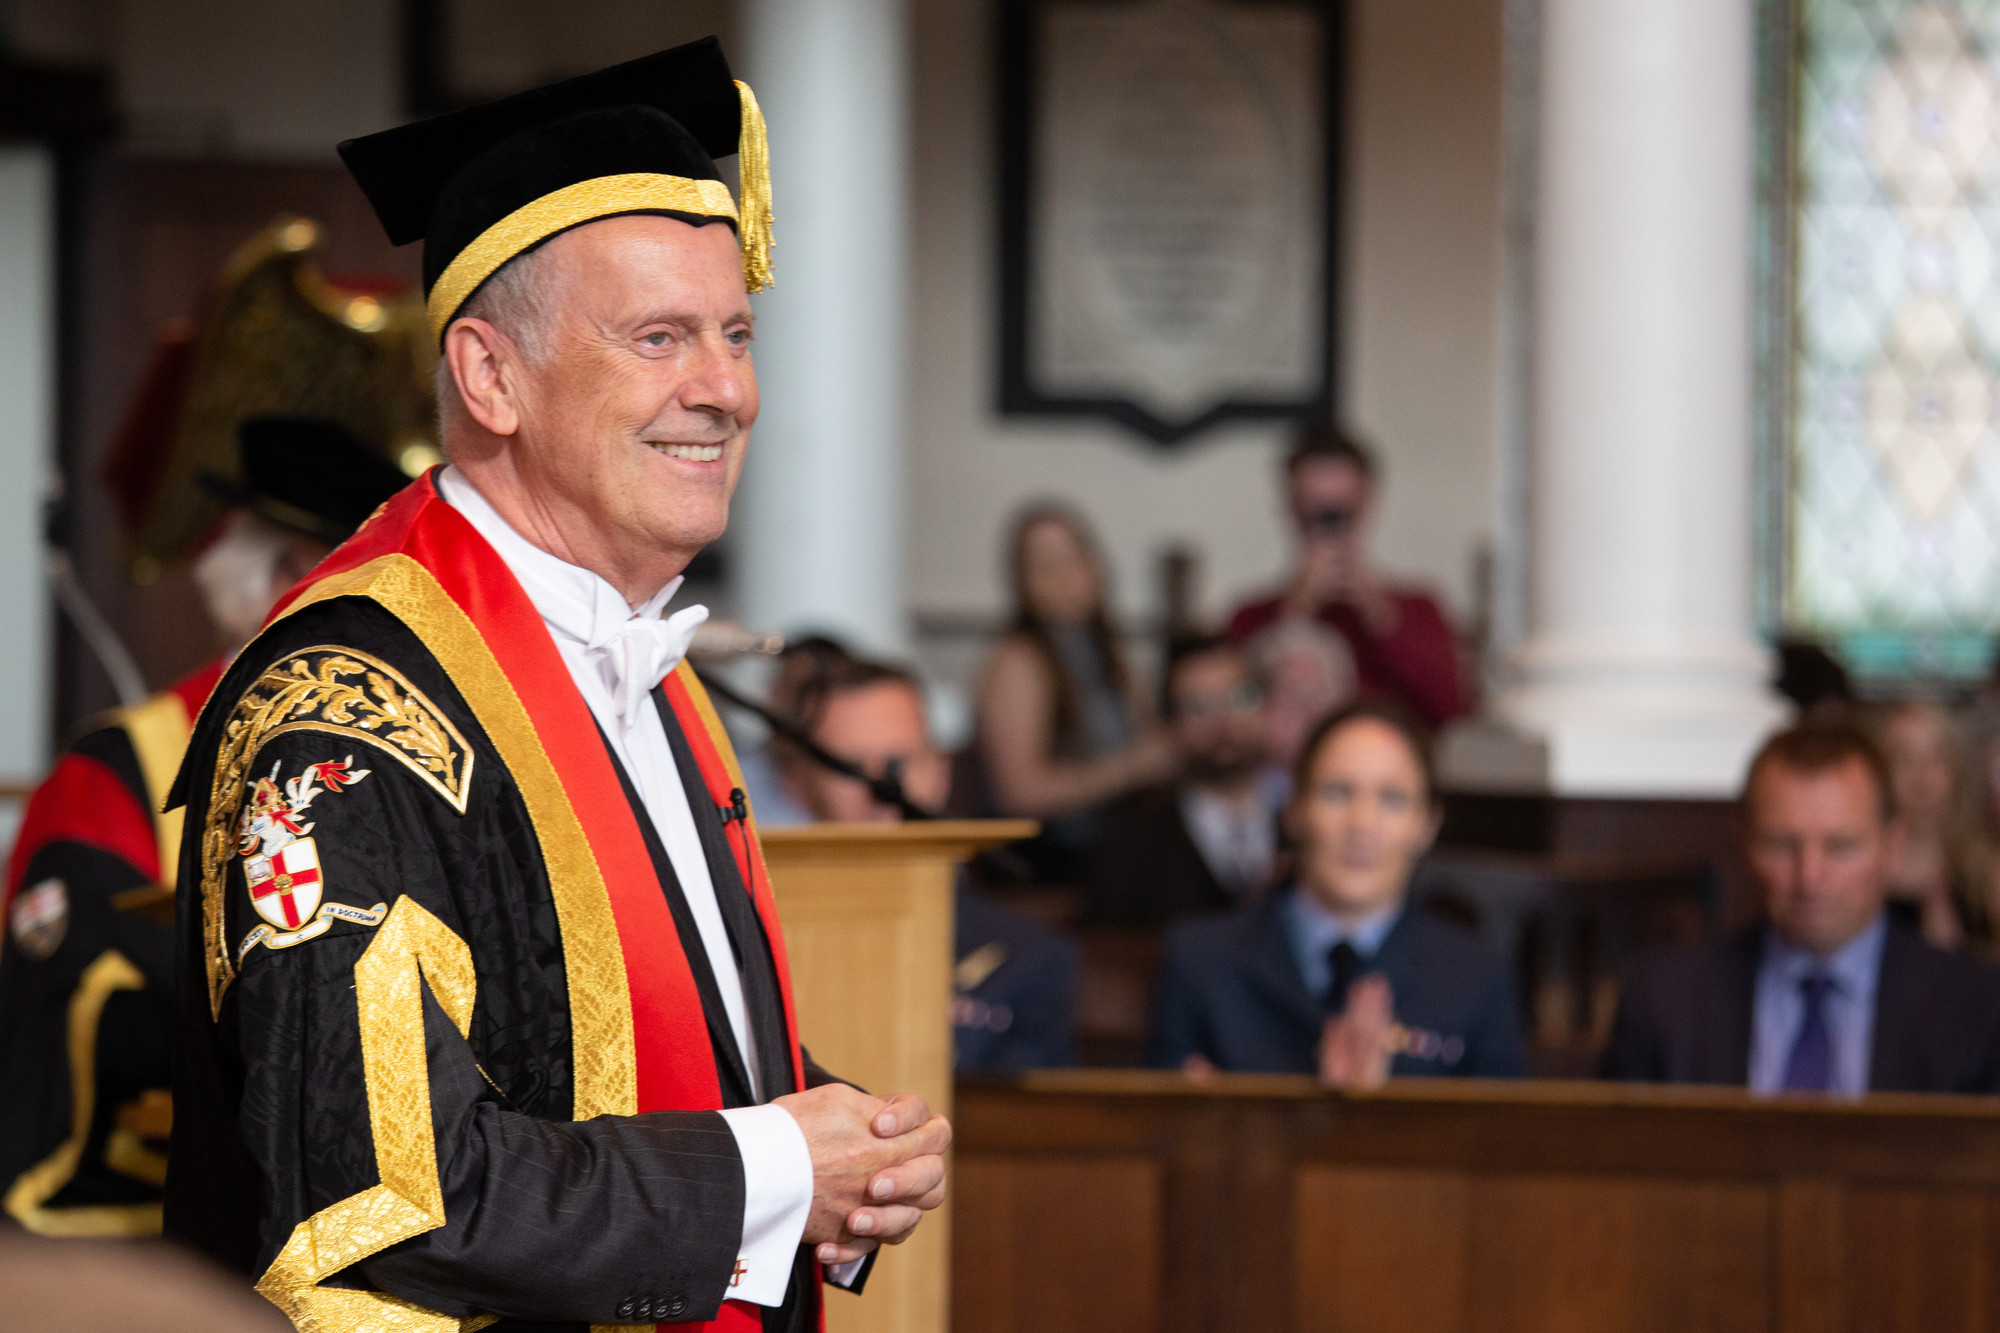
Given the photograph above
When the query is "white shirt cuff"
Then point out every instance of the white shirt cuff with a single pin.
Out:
(843, 1275)
(777, 1197)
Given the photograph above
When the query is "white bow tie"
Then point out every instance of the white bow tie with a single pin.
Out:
(641, 652)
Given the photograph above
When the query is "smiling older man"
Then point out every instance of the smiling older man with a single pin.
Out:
(484, 1008)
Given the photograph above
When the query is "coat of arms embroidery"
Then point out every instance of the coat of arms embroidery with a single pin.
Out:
(281, 865)
(285, 886)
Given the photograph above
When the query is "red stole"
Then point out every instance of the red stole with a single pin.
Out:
(675, 1061)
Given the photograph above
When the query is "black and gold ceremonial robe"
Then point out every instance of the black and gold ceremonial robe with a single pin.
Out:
(448, 1045)
(86, 976)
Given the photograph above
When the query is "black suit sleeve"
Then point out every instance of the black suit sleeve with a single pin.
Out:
(1494, 1047)
(1636, 1052)
(1177, 1017)
(567, 1221)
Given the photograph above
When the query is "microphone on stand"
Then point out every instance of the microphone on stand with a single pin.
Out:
(724, 640)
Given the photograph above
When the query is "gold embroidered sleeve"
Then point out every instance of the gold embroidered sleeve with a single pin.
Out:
(412, 949)
(326, 688)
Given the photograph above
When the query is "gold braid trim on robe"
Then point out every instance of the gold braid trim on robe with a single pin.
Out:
(410, 949)
(109, 973)
(158, 730)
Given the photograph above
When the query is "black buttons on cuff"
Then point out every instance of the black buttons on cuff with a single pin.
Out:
(644, 1310)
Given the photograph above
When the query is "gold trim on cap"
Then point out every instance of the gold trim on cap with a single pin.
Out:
(585, 201)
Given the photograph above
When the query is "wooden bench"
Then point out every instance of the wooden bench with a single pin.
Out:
(1136, 1201)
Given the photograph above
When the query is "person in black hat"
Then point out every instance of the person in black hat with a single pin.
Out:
(304, 485)
(485, 1011)
(86, 962)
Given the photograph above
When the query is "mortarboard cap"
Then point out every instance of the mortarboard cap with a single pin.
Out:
(486, 184)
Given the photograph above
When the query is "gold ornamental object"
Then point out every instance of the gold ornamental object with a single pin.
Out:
(278, 339)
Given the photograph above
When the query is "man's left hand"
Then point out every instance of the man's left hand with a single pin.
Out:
(902, 1194)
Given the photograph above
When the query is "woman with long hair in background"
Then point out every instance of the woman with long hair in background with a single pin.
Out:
(1942, 878)
(1063, 724)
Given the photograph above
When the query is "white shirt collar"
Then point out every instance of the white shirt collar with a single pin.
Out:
(1321, 930)
(572, 600)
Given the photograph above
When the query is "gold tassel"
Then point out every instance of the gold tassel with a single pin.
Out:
(753, 163)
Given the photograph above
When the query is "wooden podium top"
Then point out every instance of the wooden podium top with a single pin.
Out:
(918, 840)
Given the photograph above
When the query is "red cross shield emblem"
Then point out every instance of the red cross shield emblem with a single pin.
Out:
(285, 886)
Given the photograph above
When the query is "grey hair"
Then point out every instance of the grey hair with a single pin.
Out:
(519, 301)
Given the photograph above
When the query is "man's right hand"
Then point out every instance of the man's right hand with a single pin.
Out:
(842, 1127)
(1356, 1044)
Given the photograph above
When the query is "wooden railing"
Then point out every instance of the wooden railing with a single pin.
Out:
(1138, 1201)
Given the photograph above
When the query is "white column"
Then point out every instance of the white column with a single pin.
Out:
(817, 538)
(27, 453)
(1641, 674)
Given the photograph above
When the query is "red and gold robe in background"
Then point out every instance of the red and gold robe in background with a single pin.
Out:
(86, 976)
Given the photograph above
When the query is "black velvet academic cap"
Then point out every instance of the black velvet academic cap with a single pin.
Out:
(308, 474)
(530, 160)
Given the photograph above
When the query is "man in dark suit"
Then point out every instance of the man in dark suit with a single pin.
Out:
(1014, 980)
(1208, 841)
(1336, 973)
(1826, 994)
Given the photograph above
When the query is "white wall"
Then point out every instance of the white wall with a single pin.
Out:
(27, 453)
(1419, 311)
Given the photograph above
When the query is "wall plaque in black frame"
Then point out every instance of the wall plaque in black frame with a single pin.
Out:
(1169, 175)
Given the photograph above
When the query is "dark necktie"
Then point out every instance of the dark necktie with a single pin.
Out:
(1810, 1066)
(1344, 964)
(763, 999)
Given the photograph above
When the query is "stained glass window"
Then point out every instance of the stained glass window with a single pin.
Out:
(1887, 477)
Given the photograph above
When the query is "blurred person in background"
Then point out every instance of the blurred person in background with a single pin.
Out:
(86, 965)
(1063, 725)
(1304, 672)
(1338, 973)
(1210, 840)
(1941, 878)
(1983, 775)
(1014, 981)
(771, 795)
(1829, 993)
(1403, 647)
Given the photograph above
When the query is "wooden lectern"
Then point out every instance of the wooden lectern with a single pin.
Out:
(867, 912)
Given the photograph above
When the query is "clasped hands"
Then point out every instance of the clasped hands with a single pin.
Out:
(1357, 1043)
(878, 1167)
